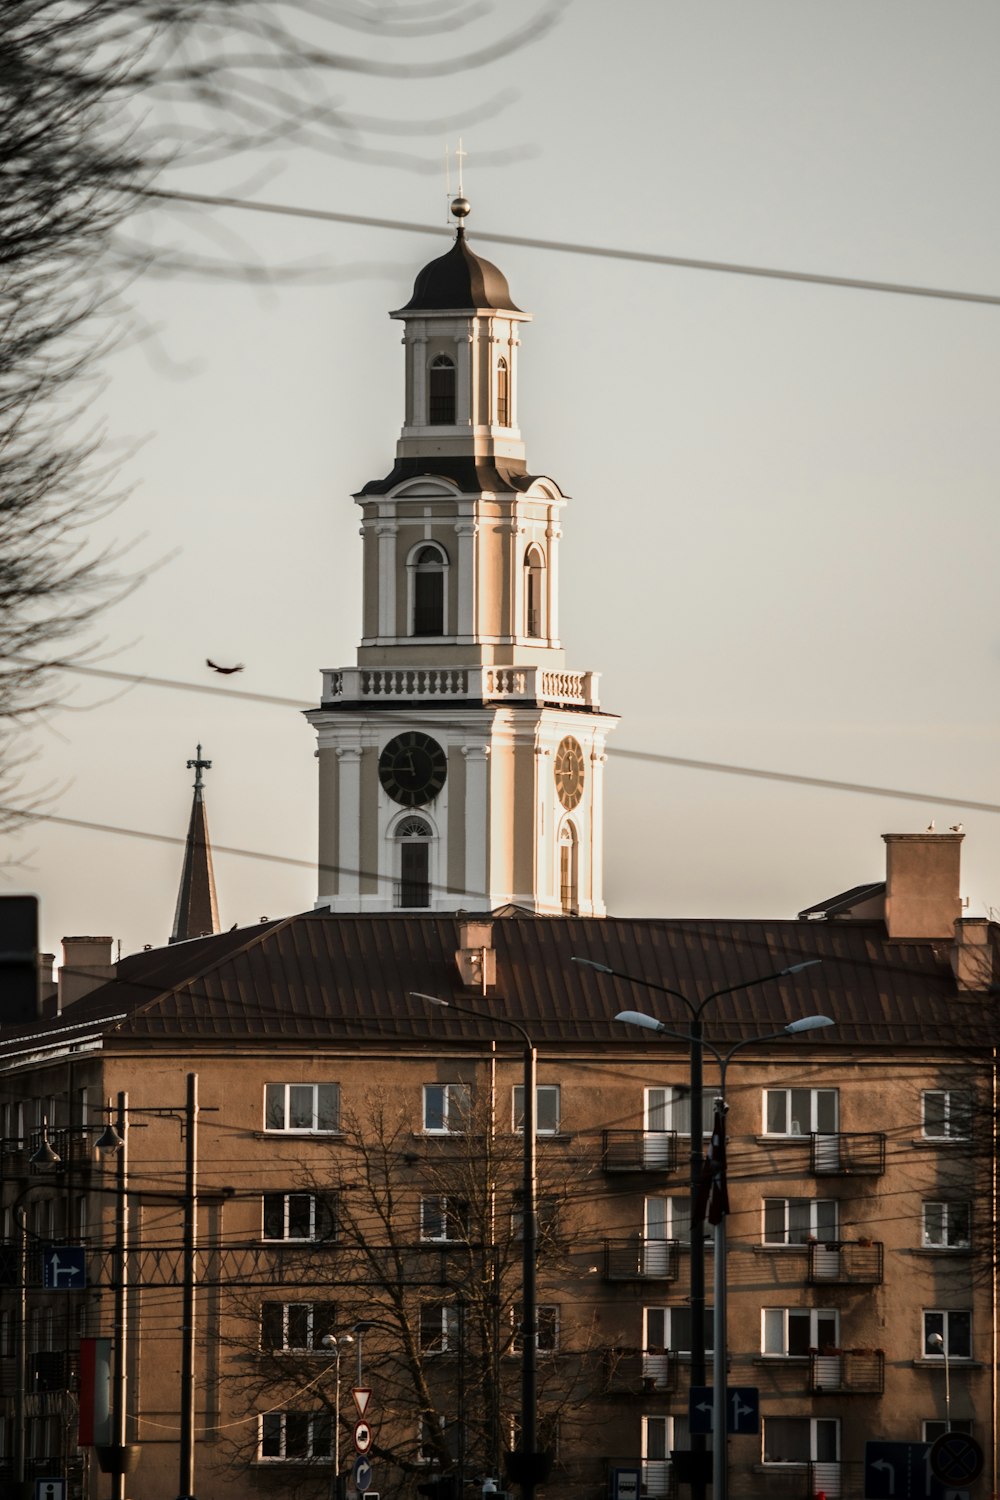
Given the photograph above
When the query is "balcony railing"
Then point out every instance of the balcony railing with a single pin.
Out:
(804, 1481)
(634, 1372)
(847, 1155)
(846, 1262)
(638, 1259)
(639, 1151)
(656, 1476)
(857, 1372)
(481, 684)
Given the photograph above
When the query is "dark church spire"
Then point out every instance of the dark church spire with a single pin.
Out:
(197, 912)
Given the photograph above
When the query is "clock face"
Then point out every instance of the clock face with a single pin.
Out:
(569, 772)
(412, 768)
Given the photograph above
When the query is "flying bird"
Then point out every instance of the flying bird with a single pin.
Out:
(224, 670)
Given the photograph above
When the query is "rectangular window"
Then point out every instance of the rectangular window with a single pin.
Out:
(300, 1216)
(446, 1107)
(661, 1435)
(801, 1440)
(667, 1219)
(438, 1327)
(296, 1325)
(294, 1436)
(931, 1431)
(443, 1218)
(947, 1114)
(954, 1326)
(305, 1107)
(801, 1111)
(947, 1226)
(546, 1108)
(669, 1329)
(795, 1221)
(796, 1330)
(548, 1329)
(671, 1108)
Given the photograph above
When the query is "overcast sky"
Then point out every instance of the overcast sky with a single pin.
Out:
(780, 550)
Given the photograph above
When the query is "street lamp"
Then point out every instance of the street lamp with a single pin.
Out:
(938, 1342)
(720, 1330)
(695, 1038)
(527, 1467)
(334, 1344)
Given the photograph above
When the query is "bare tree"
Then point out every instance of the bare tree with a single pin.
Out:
(98, 98)
(427, 1260)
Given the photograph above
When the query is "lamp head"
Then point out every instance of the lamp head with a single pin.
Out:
(43, 1158)
(638, 1018)
(590, 963)
(809, 963)
(809, 1023)
(431, 999)
(108, 1143)
(936, 1341)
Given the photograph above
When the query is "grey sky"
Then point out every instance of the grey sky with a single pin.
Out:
(780, 547)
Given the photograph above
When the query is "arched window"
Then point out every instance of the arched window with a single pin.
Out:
(441, 411)
(503, 394)
(413, 883)
(569, 895)
(428, 570)
(534, 592)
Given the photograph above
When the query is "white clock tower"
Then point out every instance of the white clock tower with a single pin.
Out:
(461, 765)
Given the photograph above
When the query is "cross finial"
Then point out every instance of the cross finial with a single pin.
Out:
(460, 155)
(197, 766)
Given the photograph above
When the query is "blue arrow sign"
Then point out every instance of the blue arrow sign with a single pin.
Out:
(362, 1474)
(64, 1268)
(742, 1409)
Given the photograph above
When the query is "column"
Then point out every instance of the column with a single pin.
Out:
(417, 415)
(553, 532)
(466, 625)
(349, 845)
(477, 758)
(386, 533)
(463, 380)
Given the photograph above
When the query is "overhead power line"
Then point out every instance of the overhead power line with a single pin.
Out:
(572, 247)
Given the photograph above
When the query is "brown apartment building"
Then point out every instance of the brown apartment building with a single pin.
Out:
(320, 1188)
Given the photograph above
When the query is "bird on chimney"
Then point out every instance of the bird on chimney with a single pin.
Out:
(956, 828)
(930, 826)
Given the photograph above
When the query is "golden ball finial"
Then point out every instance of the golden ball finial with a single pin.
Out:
(460, 207)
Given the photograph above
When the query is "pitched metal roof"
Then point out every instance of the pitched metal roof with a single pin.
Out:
(461, 279)
(342, 979)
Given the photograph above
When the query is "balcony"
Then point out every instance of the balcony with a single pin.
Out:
(637, 1259)
(639, 1151)
(635, 1372)
(417, 684)
(852, 1372)
(804, 1481)
(849, 1263)
(853, 1154)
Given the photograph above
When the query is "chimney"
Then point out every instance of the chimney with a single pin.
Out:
(476, 957)
(922, 898)
(972, 954)
(86, 965)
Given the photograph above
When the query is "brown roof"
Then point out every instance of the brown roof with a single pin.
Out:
(320, 976)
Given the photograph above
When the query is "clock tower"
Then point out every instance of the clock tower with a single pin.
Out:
(461, 764)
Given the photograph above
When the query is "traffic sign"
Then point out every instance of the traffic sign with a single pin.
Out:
(64, 1269)
(625, 1485)
(902, 1471)
(956, 1459)
(362, 1436)
(362, 1395)
(362, 1474)
(50, 1489)
(742, 1409)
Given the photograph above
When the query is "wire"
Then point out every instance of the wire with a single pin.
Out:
(570, 247)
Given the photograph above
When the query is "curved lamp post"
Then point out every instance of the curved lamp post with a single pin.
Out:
(334, 1345)
(720, 1340)
(528, 1468)
(695, 1038)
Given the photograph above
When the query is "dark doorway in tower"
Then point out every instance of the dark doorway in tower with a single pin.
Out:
(442, 392)
(413, 888)
(428, 591)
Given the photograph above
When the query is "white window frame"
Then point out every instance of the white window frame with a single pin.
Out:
(947, 1212)
(814, 1220)
(316, 1200)
(671, 1433)
(273, 1102)
(675, 1219)
(957, 1110)
(412, 568)
(772, 1097)
(279, 1420)
(451, 1214)
(548, 1329)
(945, 1314)
(935, 1427)
(312, 1345)
(550, 1093)
(815, 1424)
(456, 1099)
(816, 1337)
(663, 1318)
(449, 1324)
(676, 1109)
(429, 840)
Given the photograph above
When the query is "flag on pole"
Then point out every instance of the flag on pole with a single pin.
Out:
(713, 1193)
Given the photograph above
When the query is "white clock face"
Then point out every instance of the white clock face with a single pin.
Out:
(569, 773)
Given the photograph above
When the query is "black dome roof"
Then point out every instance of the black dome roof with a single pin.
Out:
(460, 279)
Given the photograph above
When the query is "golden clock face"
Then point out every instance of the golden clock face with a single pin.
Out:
(569, 771)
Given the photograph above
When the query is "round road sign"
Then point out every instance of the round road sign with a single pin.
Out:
(956, 1459)
(362, 1436)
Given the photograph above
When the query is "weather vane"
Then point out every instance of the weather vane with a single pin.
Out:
(458, 207)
